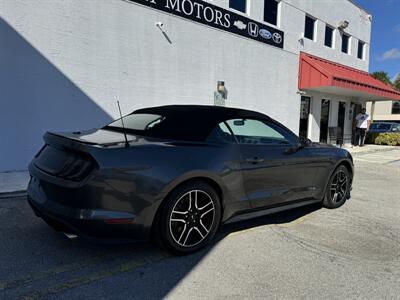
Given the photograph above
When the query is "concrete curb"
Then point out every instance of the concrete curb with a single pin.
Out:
(13, 183)
(371, 151)
(15, 194)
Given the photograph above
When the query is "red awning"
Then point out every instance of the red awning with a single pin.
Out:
(322, 75)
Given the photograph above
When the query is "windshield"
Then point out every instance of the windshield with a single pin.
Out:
(140, 122)
(381, 126)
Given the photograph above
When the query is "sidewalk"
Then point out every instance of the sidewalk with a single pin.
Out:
(13, 182)
(17, 182)
(369, 149)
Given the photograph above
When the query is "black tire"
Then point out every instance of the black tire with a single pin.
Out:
(180, 215)
(337, 189)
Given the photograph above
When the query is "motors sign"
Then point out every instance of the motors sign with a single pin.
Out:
(208, 14)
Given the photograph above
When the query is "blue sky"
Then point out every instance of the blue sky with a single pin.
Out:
(385, 39)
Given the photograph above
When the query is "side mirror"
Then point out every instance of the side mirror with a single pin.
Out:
(303, 142)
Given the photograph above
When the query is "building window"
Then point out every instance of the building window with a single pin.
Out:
(240, 5)
(271, 11)
(328, 36)
(345, 43)
(309, 28)
(396, 107)
(360, 52)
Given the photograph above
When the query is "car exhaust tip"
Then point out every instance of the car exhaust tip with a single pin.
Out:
(71, 236)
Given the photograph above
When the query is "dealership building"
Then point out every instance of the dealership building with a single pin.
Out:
(64, 64)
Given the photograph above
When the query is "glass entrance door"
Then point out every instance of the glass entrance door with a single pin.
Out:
(304, 115)
(356, 107)
(324, 123)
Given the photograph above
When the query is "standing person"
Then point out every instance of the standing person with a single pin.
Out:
(363, 122)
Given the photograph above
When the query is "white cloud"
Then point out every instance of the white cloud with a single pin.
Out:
(397, 28)
(394, 77)
(390, 54)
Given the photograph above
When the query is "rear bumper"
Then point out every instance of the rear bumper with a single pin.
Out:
(91, 224)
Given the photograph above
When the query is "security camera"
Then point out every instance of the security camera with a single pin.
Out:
(343, 24)
(159, 24)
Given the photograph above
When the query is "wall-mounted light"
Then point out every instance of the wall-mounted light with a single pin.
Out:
(221, 94)
(221, 89)
(301, 38)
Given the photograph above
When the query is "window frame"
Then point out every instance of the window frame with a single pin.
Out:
(396, 110)
(332, 46)
(246, 7)
(362, 44)
(211, 138)
(314, 30)
(278, 4)
(348, 43)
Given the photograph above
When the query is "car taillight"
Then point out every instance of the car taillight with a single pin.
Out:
(71, 165)
(76, 168)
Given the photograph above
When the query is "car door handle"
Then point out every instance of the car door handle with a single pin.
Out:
(255, 160)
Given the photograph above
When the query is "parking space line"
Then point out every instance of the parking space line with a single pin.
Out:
(75, 266)
(51, 272)
(74, 283)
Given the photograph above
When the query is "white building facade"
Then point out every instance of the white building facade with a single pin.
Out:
(63, 64)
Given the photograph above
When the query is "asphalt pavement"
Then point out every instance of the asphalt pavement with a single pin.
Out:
(310, 253)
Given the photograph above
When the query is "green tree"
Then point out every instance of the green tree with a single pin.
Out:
(396, 82)
(382, 76)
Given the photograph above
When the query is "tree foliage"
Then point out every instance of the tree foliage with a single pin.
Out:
(396, 82)
(382, 76)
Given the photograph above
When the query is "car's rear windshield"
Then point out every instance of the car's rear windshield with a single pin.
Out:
(138, 122)
(381, 126)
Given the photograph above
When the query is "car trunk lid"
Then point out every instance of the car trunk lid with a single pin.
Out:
(100, 137)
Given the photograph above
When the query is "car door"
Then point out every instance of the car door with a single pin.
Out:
(273, 167)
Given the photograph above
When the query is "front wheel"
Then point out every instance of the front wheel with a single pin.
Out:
(338, 188)
(190, 218)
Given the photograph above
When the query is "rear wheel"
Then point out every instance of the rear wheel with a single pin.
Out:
(338, 188)
(190, 218)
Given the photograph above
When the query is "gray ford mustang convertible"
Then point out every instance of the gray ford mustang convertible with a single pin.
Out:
(178, 172)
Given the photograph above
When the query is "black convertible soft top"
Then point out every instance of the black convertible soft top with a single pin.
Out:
(192, 122)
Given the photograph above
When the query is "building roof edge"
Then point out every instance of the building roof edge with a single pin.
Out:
(359, 6)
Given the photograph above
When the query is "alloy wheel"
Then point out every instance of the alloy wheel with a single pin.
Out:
(192, 218)
(338, 187)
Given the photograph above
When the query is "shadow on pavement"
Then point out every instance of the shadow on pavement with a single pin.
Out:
(62, 268)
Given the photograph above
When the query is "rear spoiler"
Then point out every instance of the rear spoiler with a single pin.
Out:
(61, 141)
